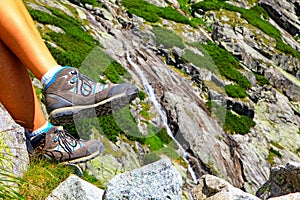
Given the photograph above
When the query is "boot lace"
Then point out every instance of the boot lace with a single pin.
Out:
(85, 85)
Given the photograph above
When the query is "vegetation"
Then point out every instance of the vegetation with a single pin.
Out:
(237, 123)
(42, 177)
(261, 80)
(272, 154)
(255, 16)
(114, 72)
(232, 123)
(200, 61)
(167, 38)
(8, 182)
(145, 110)
(75, 44)
(235, 91)
(92, 2)
(227, 64)
(152, 13)
(142, 95)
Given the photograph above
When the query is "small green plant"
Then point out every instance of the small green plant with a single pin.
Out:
(142, 95)
(235, 91)
(237, 124)
(272, 154)
(261, 80)
(114, 72)
(200, 61)
(167, 38)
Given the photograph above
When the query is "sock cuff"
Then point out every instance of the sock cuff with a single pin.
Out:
(42, 129)
(49, 74)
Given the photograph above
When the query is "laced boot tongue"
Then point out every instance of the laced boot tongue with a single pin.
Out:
(84, 85)
(51, 140)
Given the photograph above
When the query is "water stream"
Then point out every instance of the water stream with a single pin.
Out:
(152, 97)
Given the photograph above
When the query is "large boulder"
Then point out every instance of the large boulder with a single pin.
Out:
(211, 187)
(14, 155)
(76, 188)
(159, 180)
(283, 180)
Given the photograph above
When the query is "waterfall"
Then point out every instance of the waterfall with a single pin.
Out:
(152, 97)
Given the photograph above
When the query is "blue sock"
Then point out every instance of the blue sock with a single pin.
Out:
(42, 129)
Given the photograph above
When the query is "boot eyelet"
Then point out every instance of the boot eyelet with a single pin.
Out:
(73, 73)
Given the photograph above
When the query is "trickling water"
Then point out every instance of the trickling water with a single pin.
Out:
(152, 97)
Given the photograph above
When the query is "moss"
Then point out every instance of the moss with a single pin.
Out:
(261, 80)
(238, 124)
(277, 145)
(167, 38)
(272, 154)
(92, 2)
(201, 61)
(153, 13)
(142, 95)
(235, 91)
(230, 69)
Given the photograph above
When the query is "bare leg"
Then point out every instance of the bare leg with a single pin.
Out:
(17, 93)
(18, 32)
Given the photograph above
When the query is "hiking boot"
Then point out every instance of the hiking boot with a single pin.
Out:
(71, 95)
(57, 144)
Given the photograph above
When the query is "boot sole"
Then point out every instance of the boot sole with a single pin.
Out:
(69, 115)
(84, 159)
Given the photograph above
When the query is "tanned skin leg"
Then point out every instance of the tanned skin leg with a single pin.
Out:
(17, 94)
(18, 32)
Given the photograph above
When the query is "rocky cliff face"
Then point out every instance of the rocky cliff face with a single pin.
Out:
(182, 86)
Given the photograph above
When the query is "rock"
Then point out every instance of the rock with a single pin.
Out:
(282, 180)
(115, 159)
(211, 187)
(284, 82)
(284, 12)
(13, 145)
(76, 188)
(55, 29)
(159, 180)
(293, 196)
(105, 14)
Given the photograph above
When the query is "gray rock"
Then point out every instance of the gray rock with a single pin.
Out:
(74, 188)
(13, 145)
(211, 187)
(284, 12)
(283, 180)
(292, 196)
(159, 180)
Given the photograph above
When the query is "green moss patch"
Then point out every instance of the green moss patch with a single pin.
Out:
(167, 38)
